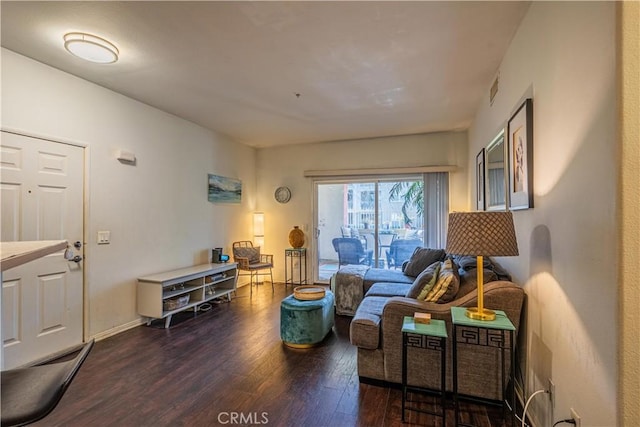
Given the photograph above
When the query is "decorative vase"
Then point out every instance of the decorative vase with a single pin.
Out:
(296, 237)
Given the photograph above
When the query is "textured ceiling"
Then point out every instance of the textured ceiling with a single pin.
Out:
(271, 73)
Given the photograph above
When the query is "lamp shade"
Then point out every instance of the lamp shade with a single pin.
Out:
(258, 224)
(481, 233)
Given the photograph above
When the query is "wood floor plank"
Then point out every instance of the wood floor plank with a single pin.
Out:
(229, 362)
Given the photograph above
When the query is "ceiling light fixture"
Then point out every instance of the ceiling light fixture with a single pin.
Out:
(91, 48)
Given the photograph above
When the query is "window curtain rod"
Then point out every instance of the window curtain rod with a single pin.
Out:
(378, 171)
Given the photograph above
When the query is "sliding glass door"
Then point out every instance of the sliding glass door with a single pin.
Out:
(377, 222)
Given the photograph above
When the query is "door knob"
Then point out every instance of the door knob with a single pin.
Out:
(77, 245)
(77, 258)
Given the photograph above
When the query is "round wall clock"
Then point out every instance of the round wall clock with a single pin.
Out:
(282, 194)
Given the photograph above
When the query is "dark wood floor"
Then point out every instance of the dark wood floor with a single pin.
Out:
(228, 364)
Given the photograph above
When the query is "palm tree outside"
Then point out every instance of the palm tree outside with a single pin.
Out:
(411, 193)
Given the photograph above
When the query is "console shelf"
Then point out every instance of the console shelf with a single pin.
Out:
(158, 294)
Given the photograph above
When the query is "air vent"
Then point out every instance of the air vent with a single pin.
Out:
(494, 89)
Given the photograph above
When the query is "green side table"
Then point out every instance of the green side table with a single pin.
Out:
(432, 336)
(498, 333)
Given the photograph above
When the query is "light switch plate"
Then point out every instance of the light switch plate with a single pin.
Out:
(104, 237)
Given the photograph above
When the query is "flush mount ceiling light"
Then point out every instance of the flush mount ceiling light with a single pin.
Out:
(91, 48)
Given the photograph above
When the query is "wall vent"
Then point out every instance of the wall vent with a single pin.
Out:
(494, 89)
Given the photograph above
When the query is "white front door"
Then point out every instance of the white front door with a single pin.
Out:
(41, 186)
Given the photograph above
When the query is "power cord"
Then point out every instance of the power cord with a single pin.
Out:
(526, 406)
(567, 421)
(513, 411)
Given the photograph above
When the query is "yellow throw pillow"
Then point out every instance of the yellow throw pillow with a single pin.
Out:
(447, 284)
(429, 285)
(423, 278)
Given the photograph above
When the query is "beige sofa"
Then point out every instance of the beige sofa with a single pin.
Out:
(376, 331)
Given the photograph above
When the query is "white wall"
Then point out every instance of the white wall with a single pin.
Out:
(157, 211)
(285, 166)
(563, 56)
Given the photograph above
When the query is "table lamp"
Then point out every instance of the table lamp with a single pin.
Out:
(481, 234)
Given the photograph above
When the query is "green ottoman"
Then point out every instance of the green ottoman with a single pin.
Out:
(304, 324)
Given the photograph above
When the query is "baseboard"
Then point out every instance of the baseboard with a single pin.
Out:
(378, 383)
(118, 329)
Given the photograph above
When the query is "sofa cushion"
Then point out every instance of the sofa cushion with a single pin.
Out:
(375, 275)
(423, 279)
(388, 289)
(421, 259)
(364, 330)
(447, 284)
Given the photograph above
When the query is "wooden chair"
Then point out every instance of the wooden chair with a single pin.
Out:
(30, 394)
(250, 259)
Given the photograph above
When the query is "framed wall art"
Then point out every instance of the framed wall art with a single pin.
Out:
(520, 157)
(480, 181)
(495, 174)
(224, 190)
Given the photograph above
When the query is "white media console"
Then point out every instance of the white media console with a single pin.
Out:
(164, 294)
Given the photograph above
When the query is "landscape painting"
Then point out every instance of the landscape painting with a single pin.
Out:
(224, 190)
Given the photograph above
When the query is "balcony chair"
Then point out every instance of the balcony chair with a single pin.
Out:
(250, 259)
(351, 251)
(355, 233)
(30, 394)
(384, 241)
(400, 250)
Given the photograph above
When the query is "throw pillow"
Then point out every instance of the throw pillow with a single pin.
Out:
(447, 285)
(423, 278)
(500, 272)
(431, 283)
(467, 262)
(421, 259)
(253, 254)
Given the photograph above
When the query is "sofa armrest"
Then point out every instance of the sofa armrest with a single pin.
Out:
(398, 307)
(501, 295)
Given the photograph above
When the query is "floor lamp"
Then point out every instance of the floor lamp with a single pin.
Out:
(258, 229)
(481, 234)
